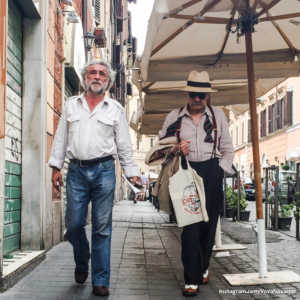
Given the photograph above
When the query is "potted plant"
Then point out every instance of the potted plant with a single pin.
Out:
(229, 213)
(285, 214)
(285, 167)
(232, 202)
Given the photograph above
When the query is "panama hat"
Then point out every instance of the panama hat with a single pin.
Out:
(198, 82)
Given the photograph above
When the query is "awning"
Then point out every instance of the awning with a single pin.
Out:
(164, 96)
(180, 39)
(293, 154)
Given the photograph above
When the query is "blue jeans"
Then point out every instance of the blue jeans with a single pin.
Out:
(94, 183)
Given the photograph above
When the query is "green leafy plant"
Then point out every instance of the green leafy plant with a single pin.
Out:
(286, 210)
(285, 167)
(232, 198)
(297, 210)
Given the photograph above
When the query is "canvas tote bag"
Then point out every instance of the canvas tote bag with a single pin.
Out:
(188, 196)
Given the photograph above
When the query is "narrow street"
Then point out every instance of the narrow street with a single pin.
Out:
(146, 263)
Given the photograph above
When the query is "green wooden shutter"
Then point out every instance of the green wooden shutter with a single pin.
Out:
(13, 134)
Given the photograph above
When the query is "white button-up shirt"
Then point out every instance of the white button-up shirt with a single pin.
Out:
(85, 135)
(200, 150)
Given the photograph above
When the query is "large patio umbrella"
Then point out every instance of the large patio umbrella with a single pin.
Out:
(164, 96)
(227, 38)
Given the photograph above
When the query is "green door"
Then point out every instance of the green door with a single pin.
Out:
(13, 134)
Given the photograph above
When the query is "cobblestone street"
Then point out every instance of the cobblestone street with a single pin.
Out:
(146, 263)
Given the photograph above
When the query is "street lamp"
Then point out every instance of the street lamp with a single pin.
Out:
(88, 40)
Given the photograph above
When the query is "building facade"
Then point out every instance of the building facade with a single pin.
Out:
(41, 54)
(278, 114)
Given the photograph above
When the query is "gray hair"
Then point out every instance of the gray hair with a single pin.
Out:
(111, 72)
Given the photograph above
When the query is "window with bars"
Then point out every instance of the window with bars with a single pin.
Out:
(97, 8)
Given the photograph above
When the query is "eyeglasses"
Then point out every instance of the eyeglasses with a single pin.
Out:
(201, 96)
(95, 72)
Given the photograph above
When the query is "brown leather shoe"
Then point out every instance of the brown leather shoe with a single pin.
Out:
(190, 290)
(101, 291)
(80, 277)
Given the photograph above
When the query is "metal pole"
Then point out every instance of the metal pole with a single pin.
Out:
(239, 196)
(276, 196)
(224, 199)
(256, 158)
(298, 177)
(266, 197)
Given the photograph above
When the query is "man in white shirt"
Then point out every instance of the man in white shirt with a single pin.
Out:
(92, 133)
(204, 139)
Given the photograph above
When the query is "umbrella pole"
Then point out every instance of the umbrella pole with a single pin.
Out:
(261, 242)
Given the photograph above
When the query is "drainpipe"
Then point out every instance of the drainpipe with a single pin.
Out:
(84, 23)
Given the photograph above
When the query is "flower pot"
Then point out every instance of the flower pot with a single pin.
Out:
(229, 213)
(284, 223)
(244, 215)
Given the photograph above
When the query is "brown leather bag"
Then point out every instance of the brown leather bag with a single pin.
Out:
(161, 187)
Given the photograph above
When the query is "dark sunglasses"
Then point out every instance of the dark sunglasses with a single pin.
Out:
(201, 96)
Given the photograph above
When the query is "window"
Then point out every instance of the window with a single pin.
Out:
(151, 142)
(97, 6)
(243, 132)
(263, 123)
(279, 114)
(288, 109)
(249, 131)
(137, 143)
(271, 113)
(237, 135)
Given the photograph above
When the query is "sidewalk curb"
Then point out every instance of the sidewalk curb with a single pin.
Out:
(12, 278)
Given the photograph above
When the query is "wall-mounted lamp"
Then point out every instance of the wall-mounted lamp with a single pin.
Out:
(72, 16)
(67, 2)
(98, 38)
(88, 40)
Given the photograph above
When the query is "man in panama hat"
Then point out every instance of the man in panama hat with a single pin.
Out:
(206, 143)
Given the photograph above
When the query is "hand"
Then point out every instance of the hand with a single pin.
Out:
(57, 179)
(184, 147)
(135, 179)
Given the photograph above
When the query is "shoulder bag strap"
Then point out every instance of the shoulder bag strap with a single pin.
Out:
(179, 119)
(215, 130)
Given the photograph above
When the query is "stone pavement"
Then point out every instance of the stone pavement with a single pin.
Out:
(146, 264)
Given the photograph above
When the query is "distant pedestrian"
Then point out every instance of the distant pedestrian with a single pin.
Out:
(206, 143)
(145, 183)
(92, 132)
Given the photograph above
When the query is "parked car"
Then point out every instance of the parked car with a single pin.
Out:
(249, 191)
(249, 188)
